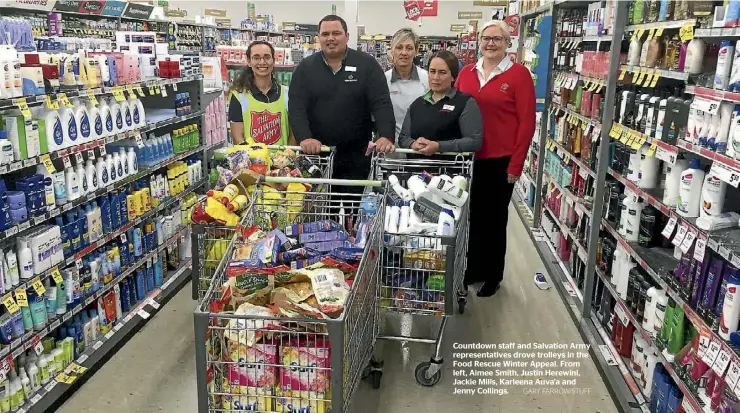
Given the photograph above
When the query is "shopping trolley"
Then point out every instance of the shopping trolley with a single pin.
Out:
(211, 241)
(258, 361)
(420, 273)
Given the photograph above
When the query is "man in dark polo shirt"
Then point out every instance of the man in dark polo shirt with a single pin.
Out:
(334, 96)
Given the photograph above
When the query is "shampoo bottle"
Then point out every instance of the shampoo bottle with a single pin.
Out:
(689, 192)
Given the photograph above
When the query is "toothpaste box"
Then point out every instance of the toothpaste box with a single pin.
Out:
(323, 236)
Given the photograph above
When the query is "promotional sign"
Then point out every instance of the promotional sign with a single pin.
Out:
(458, 28)
(114, 8)
(470, 15)
(251, 13)
(513, 22)
(413, 11)
(42, 5)
(68, 6)
(429, 8)
(215, 12)
(289, 26)
(223, 22)
(138, 11)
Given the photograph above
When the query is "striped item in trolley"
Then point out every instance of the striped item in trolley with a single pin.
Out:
(210, 241)
(422, 274)
(267, 351)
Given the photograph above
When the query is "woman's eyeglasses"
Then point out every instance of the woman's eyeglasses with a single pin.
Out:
(257, 59)
(495, 39)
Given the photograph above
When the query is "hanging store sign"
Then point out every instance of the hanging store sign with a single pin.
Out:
(429, 8)
(175, 13)
(413, 11)
(77, 6)
(470, 15)
(92, 7)
(289, 25)
(223, 22)
(114, 8)
(138, 11)
(251, 13)
(42, 5)
(458, 28)
(68, 6)
(215, 12)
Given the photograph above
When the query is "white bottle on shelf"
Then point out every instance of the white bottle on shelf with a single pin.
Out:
(92, 175)
(72, 184)
(713, 193)
(730, 308)
(111, 168)
(661, 303)
(119, 166)
(133, 165)
(13, 272)
(689, 191)
(25, 259)
(673, 181)
(82, 179)
(101, 168)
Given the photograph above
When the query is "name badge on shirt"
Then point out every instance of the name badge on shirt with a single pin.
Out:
(448, 108)
(350, 68)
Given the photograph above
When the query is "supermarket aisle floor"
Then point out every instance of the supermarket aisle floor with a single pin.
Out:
(155, 371)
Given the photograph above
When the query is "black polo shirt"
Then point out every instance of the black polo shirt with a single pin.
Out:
(236, 113)
(337, 108)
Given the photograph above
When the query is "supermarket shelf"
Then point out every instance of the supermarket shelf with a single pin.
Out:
(103, 241)
(537, 10)
(573, 199)
(63, 153)
(51, 396)
(713, 94)
(718, 32)
(603, 38)
(576, 115)
(692, 399)
(711, 155)
(658, 263)
(7, 235)
(582, 252)
(584, 169)
(676, 24)
(210, 90)
(613, 378)
(585, 78)
(667, 152)
(668, 74)
(83, 93)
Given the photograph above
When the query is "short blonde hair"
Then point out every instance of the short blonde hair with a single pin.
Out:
(401, 36)
(501, 25)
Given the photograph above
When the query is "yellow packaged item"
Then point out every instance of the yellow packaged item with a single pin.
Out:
(239, 203)
(217, 210)
(294, 200)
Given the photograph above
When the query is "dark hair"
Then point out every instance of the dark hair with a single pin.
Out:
(450, 59)
(333, 18)
(244, 81)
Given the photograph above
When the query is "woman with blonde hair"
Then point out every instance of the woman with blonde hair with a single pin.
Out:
(505, 94)
(406, 81)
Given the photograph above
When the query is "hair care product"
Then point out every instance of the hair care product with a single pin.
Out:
(689, 194)
(724, 64)
(649, 168)
(694, 56)
(712, 196)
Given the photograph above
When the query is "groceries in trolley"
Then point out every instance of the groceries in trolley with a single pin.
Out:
(427, 204)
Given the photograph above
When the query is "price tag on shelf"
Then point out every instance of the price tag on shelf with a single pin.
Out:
(626, 136)
(76, 368)
(637, 77)
(65, 100)
(23, 106)
(724, 252)
(144, 314)
(656, 76)
(46, 160)
(622, 73)
(140, 91)
(723, 360)
(63, 378)
(621, 314)
(704, 342)
(701, 246)
(91, 96)
(38, 286)
(21, 298)
(139, 141)
(637, 144)
(118, 94)
(686, 32)
(735, 260)
(648, 78)
(51, 104)
(67, 163)
(174, 86)
(56, 275)
(90, 154)
(651, 34)
(680, 234)
(659, 31)
(666, 156)
(101, 148)
(131, 92)
(710, 356)
(10, 304)
(152, 90)
(725, 173)
(688, 242)
(615, 131)
(651, 150)
(79, 159)
(733, 374)
(669, 227)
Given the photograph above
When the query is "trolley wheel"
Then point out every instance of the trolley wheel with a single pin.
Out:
(461, 303)
(377, 374)
(421, 373)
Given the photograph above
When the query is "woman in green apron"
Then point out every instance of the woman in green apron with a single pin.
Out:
(258, 105)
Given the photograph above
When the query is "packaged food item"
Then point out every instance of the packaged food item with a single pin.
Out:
(283, 158)
(304, 375)
(244, 286)
(289, 304)
(238, 160)
(323, 236)
(248, 331)
(224, 177)
(259, 158)
(328, 246)
(330, 289)
(317, 226)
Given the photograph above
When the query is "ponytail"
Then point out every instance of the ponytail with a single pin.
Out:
(244, 80)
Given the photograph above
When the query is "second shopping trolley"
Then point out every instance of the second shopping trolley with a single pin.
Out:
(210, 242)
(421, 270)
(261, 343)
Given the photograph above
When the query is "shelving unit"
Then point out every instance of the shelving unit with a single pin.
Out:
(164, 118)
(575, 164)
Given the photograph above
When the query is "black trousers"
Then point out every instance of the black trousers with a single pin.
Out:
(489, 214)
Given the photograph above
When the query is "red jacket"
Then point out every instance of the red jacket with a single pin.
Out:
(507, 103)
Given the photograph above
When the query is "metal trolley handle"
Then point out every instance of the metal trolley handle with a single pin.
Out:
(324, 148)
(411, 151)
(320, 181)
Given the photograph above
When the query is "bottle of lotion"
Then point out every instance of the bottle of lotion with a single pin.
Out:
(689, 192)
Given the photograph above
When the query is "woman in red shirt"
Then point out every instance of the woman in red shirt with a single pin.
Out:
(505, 94)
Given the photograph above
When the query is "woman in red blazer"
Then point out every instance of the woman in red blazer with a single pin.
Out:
(505, 94)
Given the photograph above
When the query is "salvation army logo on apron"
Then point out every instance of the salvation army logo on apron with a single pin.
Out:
(266, 127)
